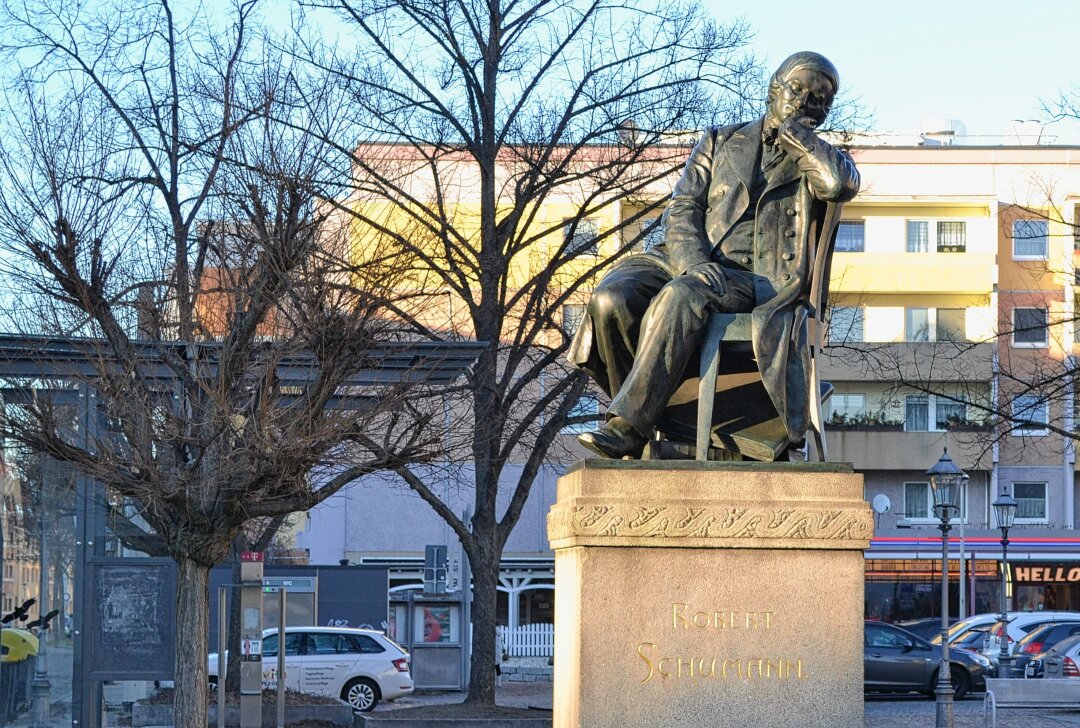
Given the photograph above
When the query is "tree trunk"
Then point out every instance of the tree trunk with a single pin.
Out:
(192, 629)
(485, 572)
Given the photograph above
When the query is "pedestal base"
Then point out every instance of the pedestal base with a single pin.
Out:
(709, 594)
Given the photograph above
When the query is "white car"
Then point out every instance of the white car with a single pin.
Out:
(360, 666)
(1021, 624)
(962, 628)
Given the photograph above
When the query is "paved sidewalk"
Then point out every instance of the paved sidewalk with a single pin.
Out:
(968, 713)
(881, 712)
(891, 712)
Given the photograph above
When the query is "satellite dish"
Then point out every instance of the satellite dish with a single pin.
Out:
(881, 503)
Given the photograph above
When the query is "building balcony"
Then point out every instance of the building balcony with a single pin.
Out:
(948, 273)
(941, 361)
(888, 448)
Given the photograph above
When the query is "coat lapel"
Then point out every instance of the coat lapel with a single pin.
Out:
(741, 152)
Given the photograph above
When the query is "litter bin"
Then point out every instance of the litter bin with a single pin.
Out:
(17, 646)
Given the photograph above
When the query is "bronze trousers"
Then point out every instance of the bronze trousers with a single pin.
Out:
(647, 327)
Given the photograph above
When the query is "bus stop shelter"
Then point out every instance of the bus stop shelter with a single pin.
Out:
(123, 606)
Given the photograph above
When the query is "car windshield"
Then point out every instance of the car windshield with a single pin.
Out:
(956, 630)
(972, 637)
(1036, 635)
(1064, 646)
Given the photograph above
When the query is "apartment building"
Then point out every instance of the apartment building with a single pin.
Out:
(952, 309)
(20, 562)
(953, 296)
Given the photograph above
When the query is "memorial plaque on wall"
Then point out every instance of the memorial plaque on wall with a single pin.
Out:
(134, 607)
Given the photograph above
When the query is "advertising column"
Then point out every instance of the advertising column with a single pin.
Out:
(251, 626)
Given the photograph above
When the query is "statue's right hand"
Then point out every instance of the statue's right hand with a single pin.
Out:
(711, 273)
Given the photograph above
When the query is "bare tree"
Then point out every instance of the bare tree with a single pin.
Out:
(157, 200)
(493, 140)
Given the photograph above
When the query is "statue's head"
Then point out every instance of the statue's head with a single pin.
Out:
(805, 84)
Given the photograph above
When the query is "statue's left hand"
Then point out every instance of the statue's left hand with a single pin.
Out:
(711, 273)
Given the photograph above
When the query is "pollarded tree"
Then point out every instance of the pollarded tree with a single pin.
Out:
(511, 151)
(156, 200)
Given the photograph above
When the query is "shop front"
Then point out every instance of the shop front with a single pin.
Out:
(903, 589)
(1046, 585)
(903, 575)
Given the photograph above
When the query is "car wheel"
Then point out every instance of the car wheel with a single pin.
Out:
(362, 694)
(961, 682)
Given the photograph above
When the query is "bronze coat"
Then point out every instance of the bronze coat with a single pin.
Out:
(795, 227)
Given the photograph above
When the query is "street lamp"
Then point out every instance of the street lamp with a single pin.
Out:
(1005, 509)
(947, 482)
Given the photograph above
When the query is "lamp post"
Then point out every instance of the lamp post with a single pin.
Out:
(946, 481)
(1005, 509)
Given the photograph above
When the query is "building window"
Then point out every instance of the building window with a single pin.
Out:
(951, 236)
(588, 407)
(930, 412)
(850, 237)
(1076, 313)
(1029, 327)
(581, 236)
(1031, 506)
(1076, 228)
(916, 413)
(916, 324)
(1030, 239)
(652, 233)
(935, 324)
(919, 502)
(846, 324)
(918, 236)
(847, 406)
(947, 411)
(1030, 415)
(572, 313)
(951, 324)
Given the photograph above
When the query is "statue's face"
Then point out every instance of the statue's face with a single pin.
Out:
(804, 92)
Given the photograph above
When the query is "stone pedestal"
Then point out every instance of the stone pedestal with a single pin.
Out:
(705, 595)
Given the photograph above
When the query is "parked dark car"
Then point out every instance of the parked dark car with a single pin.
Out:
(1038, 642)
(926, 628)
(1036, 666)
(895, 660)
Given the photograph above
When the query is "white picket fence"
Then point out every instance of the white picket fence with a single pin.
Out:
(528, 640)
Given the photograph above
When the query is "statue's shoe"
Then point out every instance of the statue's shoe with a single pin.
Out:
(614, 441)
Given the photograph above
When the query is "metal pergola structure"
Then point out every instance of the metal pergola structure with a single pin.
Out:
(36, 367)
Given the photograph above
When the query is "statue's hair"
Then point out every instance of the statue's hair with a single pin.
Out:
(800, 60)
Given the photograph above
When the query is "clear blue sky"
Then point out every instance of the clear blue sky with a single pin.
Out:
(984, 62)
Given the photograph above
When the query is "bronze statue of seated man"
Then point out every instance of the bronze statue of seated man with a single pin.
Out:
(743, 233)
